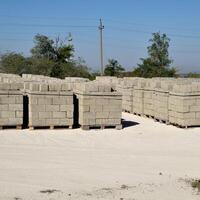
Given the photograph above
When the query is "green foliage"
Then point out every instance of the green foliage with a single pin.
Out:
(49, 58)
(113, 68)
(53, 50)
(13, 63)
(158, 51)
(158, 62)
(193, 75)
(72, 69)
(42, 66)
(64, 53)
(43, 47)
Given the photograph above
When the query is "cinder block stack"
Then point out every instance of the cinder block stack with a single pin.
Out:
(39, 78)
(99, 105)
(127, 98)
(50, 105)
(161, 101)
(9, 78)
(149, 90)
(11, 105)
(109, 80)
(184, 104)
(138, 97)
(126, 88)
(76, 79)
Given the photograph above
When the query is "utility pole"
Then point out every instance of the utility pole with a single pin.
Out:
(101, 27)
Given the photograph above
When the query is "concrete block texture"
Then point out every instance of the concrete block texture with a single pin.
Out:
(99, 107)
(184, 110)
(175, 100)
(92, 87)
(47, 109)
(11, 109)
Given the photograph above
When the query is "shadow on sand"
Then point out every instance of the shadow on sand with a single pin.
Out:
(127, 124)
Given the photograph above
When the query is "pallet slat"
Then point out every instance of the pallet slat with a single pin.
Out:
(88, 127)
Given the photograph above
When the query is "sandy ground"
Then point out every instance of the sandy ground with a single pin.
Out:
(147, 161)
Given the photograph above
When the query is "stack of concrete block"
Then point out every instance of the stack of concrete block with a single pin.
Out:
(148, 98)
(138, 97)
(99, 105)
(109, 80)
(76, 79)
(39, 78)
(9, 78)
(126, 88)
(161, 100)
(184, 104)
(11, 105)
(50, 105)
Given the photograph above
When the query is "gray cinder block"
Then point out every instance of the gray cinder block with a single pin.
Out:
(50, 108)
(99, 105)
(11, 104)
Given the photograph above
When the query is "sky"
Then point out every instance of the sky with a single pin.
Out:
(129, 25)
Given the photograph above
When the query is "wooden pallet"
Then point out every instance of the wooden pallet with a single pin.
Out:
(161, 121)
(138, 114)
(50, 127)
(88, 127)
(180, 126)
(17, 127)
(148, 116)
(126, 111)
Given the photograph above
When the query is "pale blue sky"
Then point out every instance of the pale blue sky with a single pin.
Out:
(128, 27)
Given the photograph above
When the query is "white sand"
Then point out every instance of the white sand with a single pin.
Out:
(95, 164)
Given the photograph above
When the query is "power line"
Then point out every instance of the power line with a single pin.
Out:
(147, 25)
(122, 22)
(93, 27)
(55, 18)
(148, 32)
(47, 25)
(80, 40)
(105, 37)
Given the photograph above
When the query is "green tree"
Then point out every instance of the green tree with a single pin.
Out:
(75, 68)
(42, 66)
(157, 64)
(63, 52)
(158, 51)
(53, 50)
(43, 47)
(113, 68)
(14, 63)
(193, 75)
(49, 57)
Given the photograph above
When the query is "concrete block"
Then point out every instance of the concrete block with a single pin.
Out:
(15, 107)
(59, 115)
(45, 115)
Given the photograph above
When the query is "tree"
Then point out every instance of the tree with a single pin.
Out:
(56, 50)
(63, 52)
(42, 66)
(193, 75)
(75, 68)
(14, 63)
(158, 51)
(113, 68)
(43, 47)
(49, 57)
(157, 64)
